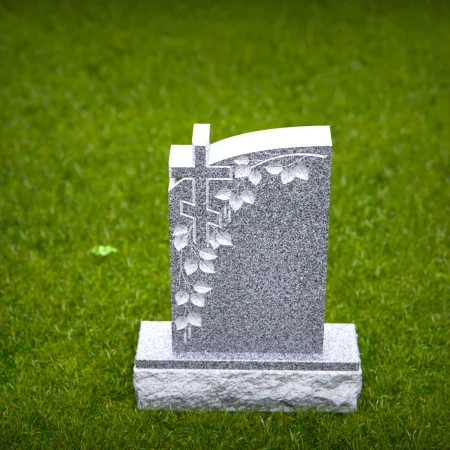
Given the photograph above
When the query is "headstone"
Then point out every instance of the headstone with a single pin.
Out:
(248, 251)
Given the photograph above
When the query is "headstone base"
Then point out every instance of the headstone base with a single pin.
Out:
(161, 381)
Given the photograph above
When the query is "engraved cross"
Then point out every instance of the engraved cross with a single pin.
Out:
(201, 173)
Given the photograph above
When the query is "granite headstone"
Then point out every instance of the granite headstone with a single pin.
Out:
(248, 251)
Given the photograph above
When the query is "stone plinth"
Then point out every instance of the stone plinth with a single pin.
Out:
(270, 382)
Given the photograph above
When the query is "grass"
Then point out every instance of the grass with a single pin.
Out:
(92, 95)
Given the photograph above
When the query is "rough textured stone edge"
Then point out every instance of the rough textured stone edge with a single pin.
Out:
(239, 390)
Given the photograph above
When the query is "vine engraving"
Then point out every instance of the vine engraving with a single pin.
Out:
(197, 263)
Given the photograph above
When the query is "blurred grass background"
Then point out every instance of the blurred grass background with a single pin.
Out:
(92, 95)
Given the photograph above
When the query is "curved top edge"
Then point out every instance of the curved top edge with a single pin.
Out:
(272, 139)
(275, 138)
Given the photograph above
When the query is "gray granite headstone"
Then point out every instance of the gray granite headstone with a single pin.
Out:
(249, 236)
(248, 252)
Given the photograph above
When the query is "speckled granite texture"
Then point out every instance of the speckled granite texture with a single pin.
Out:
(340, 353)
(329, 382)
(248, 251)
(266, 390)
(264, 219)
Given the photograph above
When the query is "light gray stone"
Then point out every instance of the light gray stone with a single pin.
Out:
(340, 353)
(261, 215)
(266, 390)
(248, 250)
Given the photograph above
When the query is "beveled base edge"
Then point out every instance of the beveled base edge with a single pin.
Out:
(340, 353)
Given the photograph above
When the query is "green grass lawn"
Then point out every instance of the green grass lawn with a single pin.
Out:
(92, 95)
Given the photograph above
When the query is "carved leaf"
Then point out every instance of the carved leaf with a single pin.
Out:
(194, 318)
(301, 171)
(198, 300)
(190, 266)
(236, 202)
(179, 230)
(274, 168)
(213, 241)
(181, 297)
(223, 237)
(207, 267)
(207, 253)
(223, 194)
(181, 323)
(255, 176)
(287, 176)
(248, 196)
(202, 288)
(181, 241)
(242, 171)
(241, 160)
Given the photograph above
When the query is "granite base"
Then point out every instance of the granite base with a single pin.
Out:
(247, 381)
